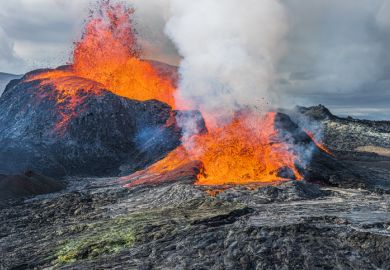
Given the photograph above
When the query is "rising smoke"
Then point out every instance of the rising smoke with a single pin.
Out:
(229, 51)
(337, 50)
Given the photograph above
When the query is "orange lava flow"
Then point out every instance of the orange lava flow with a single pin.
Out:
(321, 146)
(70, 93)
(108, 57)
(175, 159)
(245, 151)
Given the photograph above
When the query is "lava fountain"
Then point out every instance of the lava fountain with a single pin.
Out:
(245, 149)
(249, 149)
(107, 57)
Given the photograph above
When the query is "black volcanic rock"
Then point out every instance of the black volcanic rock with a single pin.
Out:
(294, 225)
(27, 184)
(315, 165)
(319, 112)
(98, 224)
(5, 78)
(104, 132)
(359, 150)
(344, 134)
(321, 167)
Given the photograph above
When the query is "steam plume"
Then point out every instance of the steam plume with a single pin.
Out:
(229, 51)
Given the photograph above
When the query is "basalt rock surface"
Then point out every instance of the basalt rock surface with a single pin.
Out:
(321, 168)
(348, 134)
(360, 146)
(95, 223)
(26, 185)
(5, 78)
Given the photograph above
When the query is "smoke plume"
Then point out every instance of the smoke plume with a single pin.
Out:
(229, 51)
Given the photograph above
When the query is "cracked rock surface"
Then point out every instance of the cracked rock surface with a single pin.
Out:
(95, 223)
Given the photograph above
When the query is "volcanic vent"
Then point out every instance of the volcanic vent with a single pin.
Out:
(111, 112)
(253, 148)
(108, 108)
(108, 57)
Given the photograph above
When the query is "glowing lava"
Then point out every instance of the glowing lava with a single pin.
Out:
(108, 53)
(108, 57)
(320, 145)
(247, 150)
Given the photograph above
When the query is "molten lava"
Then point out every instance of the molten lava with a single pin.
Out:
(108, 55)
(320, 145)
(247, 150)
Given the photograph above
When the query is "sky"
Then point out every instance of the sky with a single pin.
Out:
(336, 52)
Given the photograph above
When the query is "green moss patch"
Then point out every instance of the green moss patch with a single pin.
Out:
(109, 236)
(94, 246)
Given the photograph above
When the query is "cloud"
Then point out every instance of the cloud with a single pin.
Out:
(383, 18)
(8, 59)
(42, 31)
(337, 54)
(337, 50)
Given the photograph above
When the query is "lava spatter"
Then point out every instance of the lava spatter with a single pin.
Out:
(246, 150)
(107, 57)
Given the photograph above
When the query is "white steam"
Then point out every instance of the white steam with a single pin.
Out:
(229, 49)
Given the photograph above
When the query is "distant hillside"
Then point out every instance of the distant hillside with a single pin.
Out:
(5, 78)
